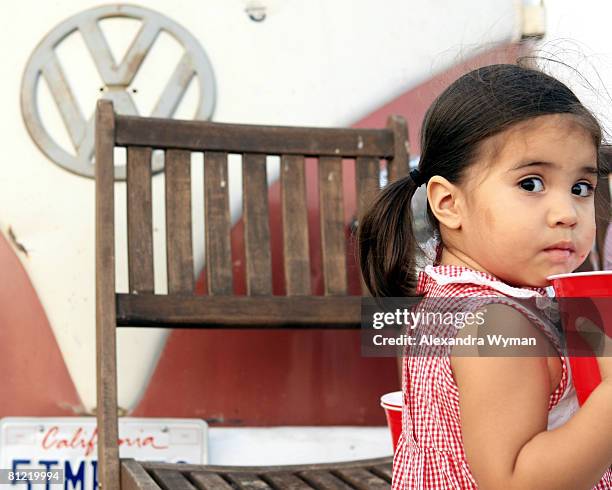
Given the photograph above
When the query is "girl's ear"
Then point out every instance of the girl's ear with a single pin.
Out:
(445, 201)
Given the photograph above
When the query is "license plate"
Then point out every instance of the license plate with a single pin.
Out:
(69, 444)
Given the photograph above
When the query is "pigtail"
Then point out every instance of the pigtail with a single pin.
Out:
(386, 241)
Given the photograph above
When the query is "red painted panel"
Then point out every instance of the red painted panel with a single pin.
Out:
(35, 381)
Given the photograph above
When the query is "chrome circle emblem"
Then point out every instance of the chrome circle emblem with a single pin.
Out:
(117, 78)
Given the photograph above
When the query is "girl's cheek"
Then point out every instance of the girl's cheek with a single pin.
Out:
(587, 243)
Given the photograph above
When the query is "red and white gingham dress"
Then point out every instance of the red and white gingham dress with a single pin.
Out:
(430, 453)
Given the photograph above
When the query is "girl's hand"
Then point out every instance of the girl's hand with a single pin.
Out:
(600, 343)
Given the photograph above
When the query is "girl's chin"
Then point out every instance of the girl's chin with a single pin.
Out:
(556, 270)
(563, 269)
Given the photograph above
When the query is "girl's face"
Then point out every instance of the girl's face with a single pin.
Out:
(528, 202)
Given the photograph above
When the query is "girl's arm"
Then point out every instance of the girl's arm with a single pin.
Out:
(504, 416)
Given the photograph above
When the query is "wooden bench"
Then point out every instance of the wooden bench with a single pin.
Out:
(180, 308)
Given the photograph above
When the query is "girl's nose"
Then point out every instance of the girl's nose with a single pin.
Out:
(563, 212)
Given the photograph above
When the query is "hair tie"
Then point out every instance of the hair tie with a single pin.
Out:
(416, 177)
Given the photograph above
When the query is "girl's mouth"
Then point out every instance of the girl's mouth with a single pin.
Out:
(561, 251)
(560, 255)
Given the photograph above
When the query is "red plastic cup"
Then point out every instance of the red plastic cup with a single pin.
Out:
(593, 285)
(392, 403)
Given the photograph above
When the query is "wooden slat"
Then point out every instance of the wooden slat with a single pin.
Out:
(140, 220)
(324, 480)
(368, 181)
(295, 226)
(362, 479)
(256, 225)
(333, 241)
(239, 311)
(359, 463)
(106, 365)
(179, 250)
(367, 173)
(209, 481)
(134, 477)
(216, 207)
(172, 480)
(400, 163)
(244, 138)
(385, 471)
(247, 481)
(286, 481)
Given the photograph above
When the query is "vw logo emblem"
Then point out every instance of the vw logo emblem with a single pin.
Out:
(116, 77)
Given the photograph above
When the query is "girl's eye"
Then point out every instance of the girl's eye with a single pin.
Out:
(532, 184)
(582, 189)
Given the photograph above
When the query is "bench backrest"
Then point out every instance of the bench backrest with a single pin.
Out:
(220, 308)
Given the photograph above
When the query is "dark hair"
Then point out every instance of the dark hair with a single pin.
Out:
(478, 105)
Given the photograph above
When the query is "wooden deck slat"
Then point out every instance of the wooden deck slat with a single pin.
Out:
(134, 477)
(256, 225)
(295, 226)
(324, 480)
(172, 480)
(106, 348)
(216, 207)
(362, 479)
(285, 481)
(179, 249)
(333, 241)
(244, 138)
(239, 311)
(247, 481)
(209, 481)
(140, 220)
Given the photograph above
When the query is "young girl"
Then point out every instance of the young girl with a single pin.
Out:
(510, 159)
